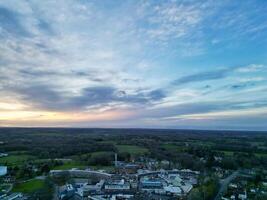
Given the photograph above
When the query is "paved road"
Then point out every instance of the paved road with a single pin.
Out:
(40, 177)
(10, 188)
(55, 196)
(224, 184)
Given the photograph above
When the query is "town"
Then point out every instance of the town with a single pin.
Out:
(135, 164)
(128, 181)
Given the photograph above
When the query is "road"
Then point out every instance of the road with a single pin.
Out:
(224, 184)
(55, 195)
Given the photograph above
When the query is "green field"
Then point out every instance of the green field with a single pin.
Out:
(15, 159)
(132, 149)
(17, 152)
(172, 147)
(99, 153)
(29, 186)
(92, 154)
(261, 154)
(231, 153)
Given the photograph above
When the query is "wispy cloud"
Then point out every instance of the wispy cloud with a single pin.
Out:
(203, 76)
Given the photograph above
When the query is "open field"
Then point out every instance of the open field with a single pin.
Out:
(12, 160)
(99, 153)
(172, 147)
(231, 153)
(29, 186)
(132, 149)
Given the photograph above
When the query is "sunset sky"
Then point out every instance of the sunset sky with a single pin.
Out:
(146, 64)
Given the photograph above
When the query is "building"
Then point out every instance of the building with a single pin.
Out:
(117, 185)
(151, 184)
(92, 189)
(3, 170)
(127, 168)
(173, 190)
(3, 155)
(14, 196)
(66, 192)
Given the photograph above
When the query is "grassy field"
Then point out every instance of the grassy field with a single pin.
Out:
(261, 154)
(231, 153)
(132, 149)
(12, 160)
(172, 147)
(99, 153)
(92, 154)
(79, 165)
(29, 186)
(227, 153)
(17, 152)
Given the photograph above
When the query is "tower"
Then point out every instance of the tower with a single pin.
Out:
(116, 159)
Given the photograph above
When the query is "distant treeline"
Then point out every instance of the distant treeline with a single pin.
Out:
(188, 148)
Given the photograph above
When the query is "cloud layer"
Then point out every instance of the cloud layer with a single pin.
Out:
(168, 64)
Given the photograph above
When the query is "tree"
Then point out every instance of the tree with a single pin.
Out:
(45, 168)
(195, 194)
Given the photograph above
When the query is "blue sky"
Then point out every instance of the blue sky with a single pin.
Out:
(152, 64)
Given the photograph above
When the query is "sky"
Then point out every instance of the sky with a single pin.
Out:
(186, 64)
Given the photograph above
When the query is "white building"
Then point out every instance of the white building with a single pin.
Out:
(173, 190)
(3, 155)
(13, 196)
(3, 170)
(117, 185)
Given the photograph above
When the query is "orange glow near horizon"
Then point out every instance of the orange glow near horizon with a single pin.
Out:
(46, 116)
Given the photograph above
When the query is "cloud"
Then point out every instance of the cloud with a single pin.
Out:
(246, 20)
(204, 109)
(242, 86)
(221, 74)
(10, 23)
(46, 97)
(170, 20)
(202, 76)
(251, 68)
